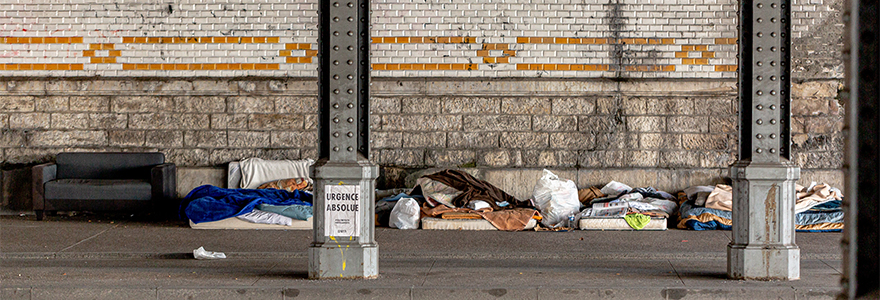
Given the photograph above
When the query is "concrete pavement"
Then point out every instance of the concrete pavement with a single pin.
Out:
(107, 257)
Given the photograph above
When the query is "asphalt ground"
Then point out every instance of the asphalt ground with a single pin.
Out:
(124, 257)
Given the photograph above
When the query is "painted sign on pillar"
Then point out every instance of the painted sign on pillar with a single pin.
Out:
(342, 210)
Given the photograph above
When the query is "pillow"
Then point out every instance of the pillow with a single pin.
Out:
(289, 184)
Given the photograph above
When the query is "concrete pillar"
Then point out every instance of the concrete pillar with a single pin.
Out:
(861, 241)
(344, 243)
(763, 243)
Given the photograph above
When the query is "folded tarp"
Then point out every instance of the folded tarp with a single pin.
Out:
(210, 203)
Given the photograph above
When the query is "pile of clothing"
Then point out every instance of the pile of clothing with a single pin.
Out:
(455, 194)
(277, 203)
(817, 209)
(636, 205)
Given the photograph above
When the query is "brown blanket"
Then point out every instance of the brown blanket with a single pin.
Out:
(509, 219)
(475, 189)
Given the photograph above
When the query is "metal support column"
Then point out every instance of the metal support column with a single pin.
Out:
(344, 244)
(861, 241)
(763, 245)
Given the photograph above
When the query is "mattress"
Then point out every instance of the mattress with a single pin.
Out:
(618, 224)
(430, 223)
(236, 223)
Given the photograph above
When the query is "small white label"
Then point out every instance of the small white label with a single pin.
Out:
(342, 210)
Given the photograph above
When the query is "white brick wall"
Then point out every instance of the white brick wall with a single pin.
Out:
(603, 38)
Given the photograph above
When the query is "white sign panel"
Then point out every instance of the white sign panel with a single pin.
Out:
(342, 211)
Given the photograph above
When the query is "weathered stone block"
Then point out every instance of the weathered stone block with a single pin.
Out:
(17, 104)
(715, 159)
(293, 139)
(401, 157)
(715, 106)
(178, 86)
(220, 157)
(525, 140)
(520, 183)
(26, 86)
(644, 158)
(469, 140)
(692, 141)
(187, 157)
(31, 155)
(248, 139)
(608, 106)
(688, 124)
(798, 124)
(127, 138)
(633, 178)
(169, 121)
(424, 140)
(90, 103)
(815, 89)
(497, 123)
(722, 124)
(52, 103)
(646, 123)
(311, 121)
(500, 158)
(200, 104)
(571, 140)
(449, 158)
(4, 121)
(574, 105)
(229, 121)
(679, 159)
(421, 122)
(75, 138)
(525, 106)
(140, 104)
(69, 121)
(616, 140)
(550, 158)
(205, 139)
(653, 141)
(251, 104)
(420, 105)
(276, 121)
(383, 105)
(824, 124)
(635, 106)
(297, 104)
(554, 123)
(222, 86)
(12, 138)
(164, 138)
(598, 124)
(190, 178)
(107, 121)
(672, 106)
(276, 154)
(386, 139)
(29, 121)
(471, 105)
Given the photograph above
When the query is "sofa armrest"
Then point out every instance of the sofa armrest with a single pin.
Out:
(40, 174)
(163, 179)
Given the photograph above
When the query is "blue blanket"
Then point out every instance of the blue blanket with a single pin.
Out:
(209, 203)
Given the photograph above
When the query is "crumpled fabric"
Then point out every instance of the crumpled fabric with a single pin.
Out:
(475, 189)
(637, 221)
(815, 194)
(209, 203)
(721, 198)
(590, 193)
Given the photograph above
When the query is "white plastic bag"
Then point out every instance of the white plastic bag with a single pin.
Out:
(556, 199)
(405, 214)
(201, 253)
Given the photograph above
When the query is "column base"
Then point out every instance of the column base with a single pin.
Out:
(763, 262)
(344, 261)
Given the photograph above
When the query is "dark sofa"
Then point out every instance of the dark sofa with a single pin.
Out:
(101, 181)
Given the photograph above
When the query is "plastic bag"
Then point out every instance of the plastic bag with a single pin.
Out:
(201, 253)
(556, 199)
(405, 214)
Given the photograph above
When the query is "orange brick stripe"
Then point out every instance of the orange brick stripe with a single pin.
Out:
(197, 67)
(725, 68)
(41, 40)
(201, 40)
(298, 59)
(496, 60)
(562, 67)
(41, 67)
(725, 41)
(424, 67)
(425, 40)
(593, 41)
(650, 68)
(695, 61)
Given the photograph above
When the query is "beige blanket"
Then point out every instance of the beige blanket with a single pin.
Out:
(256, 171)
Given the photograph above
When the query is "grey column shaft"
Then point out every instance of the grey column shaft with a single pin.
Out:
(344, 242)
(763, 243)
(861, 241)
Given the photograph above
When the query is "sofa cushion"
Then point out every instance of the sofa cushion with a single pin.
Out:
(98, 189)
(97, 165)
